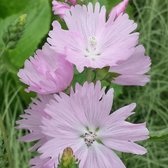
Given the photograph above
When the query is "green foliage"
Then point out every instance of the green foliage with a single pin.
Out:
(14, 32)
(37, 25)
(159, 135)
(3, 155)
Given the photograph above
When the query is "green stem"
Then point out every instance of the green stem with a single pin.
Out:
(6, 142)
(2, 52)
(10, 67)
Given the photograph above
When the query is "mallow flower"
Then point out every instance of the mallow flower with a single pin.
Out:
(47, 72)
(91, 40)
(83, 121)
(132, 71)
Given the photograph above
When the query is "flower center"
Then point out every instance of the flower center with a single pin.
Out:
(92, 49)
(89, 138)
(92, 44)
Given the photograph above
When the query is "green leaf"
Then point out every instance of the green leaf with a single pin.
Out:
(36, 28)
(118, 90)
(87, 75)
(159, 135)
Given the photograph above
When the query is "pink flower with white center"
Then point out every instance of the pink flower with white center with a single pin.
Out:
(132, 71)
(91, 40)
(83, 122)
(47, 72)
(119, 9)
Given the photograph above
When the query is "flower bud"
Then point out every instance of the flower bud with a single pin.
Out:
(14, 32)
(68, 160)
(119, 9)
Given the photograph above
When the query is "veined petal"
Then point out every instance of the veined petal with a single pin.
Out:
(91, 41)
(132, 71)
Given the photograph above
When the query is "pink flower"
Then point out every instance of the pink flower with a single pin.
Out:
(60, 8)
(132, 71)
(90, 40)
(119, 9)
(82, 121)
(48, 72)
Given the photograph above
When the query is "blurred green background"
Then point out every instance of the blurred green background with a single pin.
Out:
(152, 101)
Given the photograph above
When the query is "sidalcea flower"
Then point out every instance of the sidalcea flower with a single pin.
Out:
(82, 121)
(119, 9)
(132, 71)
(47, 72)
(91, 40)
(60, 8)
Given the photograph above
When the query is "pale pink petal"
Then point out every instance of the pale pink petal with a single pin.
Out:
(91, 41)
(132, 80)
(124, 146)
(32, 121)
(119, 9)
(55, 147)
(60, 8)
(132, 71)
(48, 72)
(99, 156)
(121, 114)
(37, 162)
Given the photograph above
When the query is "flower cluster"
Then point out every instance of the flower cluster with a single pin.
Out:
(63, 117)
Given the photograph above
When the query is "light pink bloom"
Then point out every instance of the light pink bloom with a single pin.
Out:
(46, 72)
(119, 9)
(60, 8)
(83, 122)
(90, 40)
(132, 71)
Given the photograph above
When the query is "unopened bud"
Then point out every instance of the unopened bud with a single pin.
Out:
(68, 159)
(14, 32)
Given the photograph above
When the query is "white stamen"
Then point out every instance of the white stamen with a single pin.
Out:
(92, 43)
(89, 138)
(92, 49)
